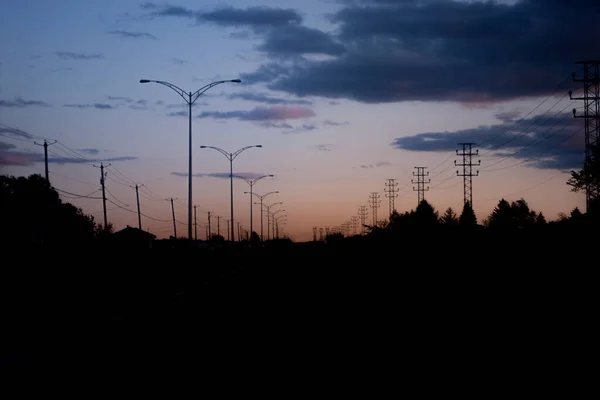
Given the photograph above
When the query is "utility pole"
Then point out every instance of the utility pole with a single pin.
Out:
(467, 172)
(239, 231)
(374, 203)
(209, 230)
(207, 233)
(591, 116)
(45, 145)
(102, 180)
(421, 189)
(195, 225)
(137, 196)
(227, 229)
(363, 213)
(174, 224)
(314, 233)
(391, 192)
(219, 225)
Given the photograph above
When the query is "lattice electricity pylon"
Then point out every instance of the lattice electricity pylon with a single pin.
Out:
(374, 202)
(363, 213)
(467, 172)
(591, 115)
(391, 192)
(421, 189)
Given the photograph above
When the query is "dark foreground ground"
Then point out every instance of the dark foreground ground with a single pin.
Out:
(500, 310)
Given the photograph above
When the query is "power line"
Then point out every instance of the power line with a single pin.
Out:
(75, 195)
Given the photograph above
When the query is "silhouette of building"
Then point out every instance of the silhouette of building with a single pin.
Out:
(132, 237)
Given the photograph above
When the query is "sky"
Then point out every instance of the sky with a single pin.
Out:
(342, 96)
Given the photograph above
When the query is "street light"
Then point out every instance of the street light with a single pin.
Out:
(283, 218)
(262, 197)
(269, 215)
(190, 98)
(231, 157)
(251, 182)
(274, 220)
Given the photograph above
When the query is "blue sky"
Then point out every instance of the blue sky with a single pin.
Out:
(342, 95)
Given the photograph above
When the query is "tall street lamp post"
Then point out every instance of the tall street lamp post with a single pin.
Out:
(231, 157)
(190, 98)
(262, 197)
(251, 182)
(274, 219)
(269, 216)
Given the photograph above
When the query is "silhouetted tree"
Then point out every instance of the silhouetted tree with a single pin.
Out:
(425, 215)
(449, 218)
(589, 175)
(540, 219)
(254, 237)
(32, 211)
(467, 217)
(501, 216)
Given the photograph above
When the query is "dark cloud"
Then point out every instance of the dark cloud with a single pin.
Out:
(69, 160)
(293, 40)
(132, 35)
(6, 130)
(120, 98)
(98, 106)
(554, 142)
(444, 50)
(221, 175)
(265, 98)
(92, 152)
(19, 102)
(250, 17)
(68, 55)
(378, 164)
(275, 113)
(179, 61)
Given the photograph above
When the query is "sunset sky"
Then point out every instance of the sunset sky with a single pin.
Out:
(342, 95)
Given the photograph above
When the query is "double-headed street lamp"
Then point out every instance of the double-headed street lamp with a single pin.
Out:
(231, 157)
(274, 219)
(190, 98)
(269, 216)
(283, 218)
(262, 197)
(251, 182)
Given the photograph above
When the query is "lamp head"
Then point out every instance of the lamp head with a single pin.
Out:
(236, 81)
(258, 145)
(144, 80)
(203, 147)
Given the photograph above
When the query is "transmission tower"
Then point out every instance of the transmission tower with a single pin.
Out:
(354, 221)
(363, 213)
(421, 189)
(391, 192)
(374, 202)
(467, 172)
(321, 237)
(326, 231)
(314, 234)
(591, 115)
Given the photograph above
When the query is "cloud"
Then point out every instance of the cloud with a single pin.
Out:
(68, 55)
(323, 147)
(302, 128)
(19, 102)
(554, 142)
(333, 123)
(4, 130)
(378, 164)
(69, 160)
(442, 50)
(275, 113)
(98, 106)
(265, 98)
(293, 40)
(92, 152)
(8, 156)
(221, 175)
(132, 35)
(257, 17)
(179, 61)
(279, 125)
(120, 98)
